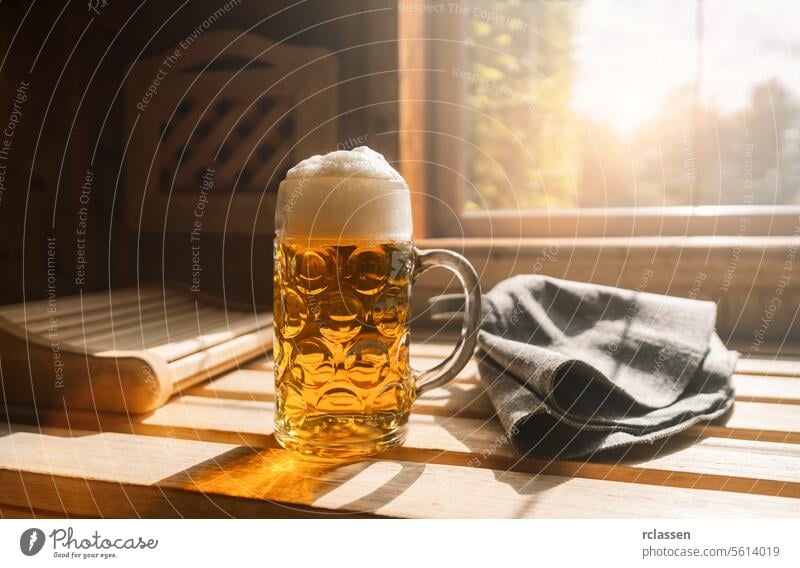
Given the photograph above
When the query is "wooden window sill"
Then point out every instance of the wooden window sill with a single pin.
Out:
(726, 220)
(746, 276)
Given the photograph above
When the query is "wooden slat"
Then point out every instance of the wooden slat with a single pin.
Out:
(65, 306)
(784, 367)
(240, 384)
(769, 350)
(9, 512)
(188, 334)
(261, 364)
(125, 475)
(174, 329)
(235, 325)
(89, 320)
(756, 421)
(757, 388)
(157, 332)
(104, 328)
(219, 357)
(130, 316)
(459, 441)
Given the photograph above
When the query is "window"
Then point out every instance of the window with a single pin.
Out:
(608, 117)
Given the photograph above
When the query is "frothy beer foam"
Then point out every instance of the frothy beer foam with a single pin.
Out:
(347, 194)
(361, 162)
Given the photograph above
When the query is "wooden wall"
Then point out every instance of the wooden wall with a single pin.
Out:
(76, 62)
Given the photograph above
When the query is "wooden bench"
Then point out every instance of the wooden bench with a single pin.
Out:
(210, 453)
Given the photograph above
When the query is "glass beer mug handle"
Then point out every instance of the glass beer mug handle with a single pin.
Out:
(447, 370)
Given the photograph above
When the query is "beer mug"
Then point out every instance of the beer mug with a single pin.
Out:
(344, 266)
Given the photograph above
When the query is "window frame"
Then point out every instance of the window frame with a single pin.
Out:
(432, 130)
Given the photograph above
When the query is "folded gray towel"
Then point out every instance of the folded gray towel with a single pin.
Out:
(575, 368)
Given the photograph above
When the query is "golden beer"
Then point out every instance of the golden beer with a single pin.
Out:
(344, 264)
(343, 382)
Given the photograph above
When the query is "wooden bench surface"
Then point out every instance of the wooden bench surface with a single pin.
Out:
(210, 452)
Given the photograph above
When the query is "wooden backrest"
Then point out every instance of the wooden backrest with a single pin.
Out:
(215, 123)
